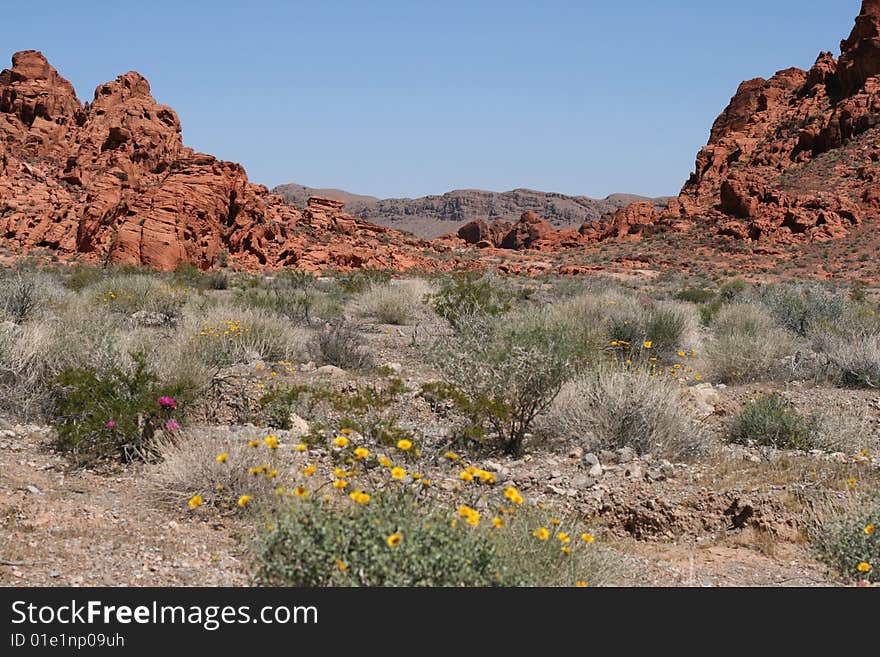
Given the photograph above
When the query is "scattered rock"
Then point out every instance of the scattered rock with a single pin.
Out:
(298, 426)
(331, 372)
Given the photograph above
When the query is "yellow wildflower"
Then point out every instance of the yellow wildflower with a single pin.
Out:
(361, 452)
(580, 584)
(565, 549)
(221, 458)
(299, 491)
(870, 529)
(385, 462)
(394, 540)
(404, 444)
(864, 567)
(588, 538)
(464, 475)
(196, 501)
(398, 473)
(340, 441)
(309, 470)
(340, 483)
(648, 344)
(272, 442)
(301, 447)
(452, 456)
(497, 522)
(341, 566)
(272, 474)
(243, 500)
(563, 537)
(255, 443)
(542, 533)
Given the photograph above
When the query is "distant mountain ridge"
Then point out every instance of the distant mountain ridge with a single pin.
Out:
(432, 216)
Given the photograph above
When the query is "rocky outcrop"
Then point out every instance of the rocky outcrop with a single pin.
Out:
(111, 180)
(796, 156)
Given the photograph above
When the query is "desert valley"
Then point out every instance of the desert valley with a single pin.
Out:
(207, 382)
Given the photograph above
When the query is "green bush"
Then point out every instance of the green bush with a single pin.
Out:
(467, 294)
(99, 414)
(846, 539)
(316, 543)
(361, 280)
(772, 421)
(128, 294)
(732, 290)
(800, 308)
(502, 373)
(696, 295)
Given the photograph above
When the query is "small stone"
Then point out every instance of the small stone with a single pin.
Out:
(331, 372)
(633, 471)
(397, 368)
(626, 455)
(298, 426)
(576, 453)
(583, 482)
(596, 470)
(590, 459)
(34, 490)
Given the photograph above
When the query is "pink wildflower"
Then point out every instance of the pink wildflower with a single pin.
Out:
(111, 424)
(171, 425)
(167, 402)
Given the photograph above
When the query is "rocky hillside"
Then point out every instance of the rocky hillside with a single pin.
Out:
(431, 216)
(796, 157)
(111, 180)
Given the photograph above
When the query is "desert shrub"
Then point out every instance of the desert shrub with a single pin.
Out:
(128, 294)
(535, 562)
(99, 414)
(799, 308)
(217, 280)
(655, 329)
(463, 295)
(317, 543)
(25, 293)
(611, 408)
(584, 320)
(32, 354)
(732, 290)
(851, 346)
(397, 302)
(367, 408)
(224, 336)
(502, 373)
(697, 295)
(362, 279)
(746, 345)
(187, 465)
(851, 537)
(772, 421)
(341, 345)
(83, 276)
(854, 360)
(293, 294)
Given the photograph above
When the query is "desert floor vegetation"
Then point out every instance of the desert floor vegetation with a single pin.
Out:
(459, 429)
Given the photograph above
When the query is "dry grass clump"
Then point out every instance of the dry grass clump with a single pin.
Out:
(189, 465)
(398, 302)
(128, 294)
(222, 335)
(746, 345)
(31, 355)
(27, 294)
(610, 408)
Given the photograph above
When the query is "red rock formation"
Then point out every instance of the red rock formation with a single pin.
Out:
(793, 157)
(112, 180)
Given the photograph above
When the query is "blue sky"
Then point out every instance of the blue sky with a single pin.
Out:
(406, 98)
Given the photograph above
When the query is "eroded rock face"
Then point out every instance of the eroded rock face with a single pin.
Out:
(795, 157)
(112, 180)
